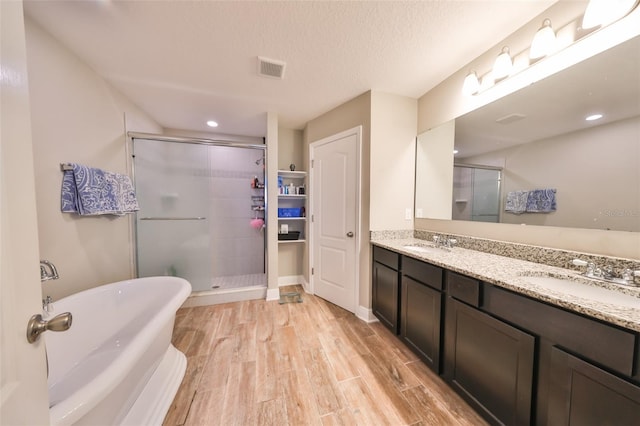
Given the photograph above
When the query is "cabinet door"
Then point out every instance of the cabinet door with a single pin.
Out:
(385, 295)
(489, 363)
(582, 394)
(420, 320)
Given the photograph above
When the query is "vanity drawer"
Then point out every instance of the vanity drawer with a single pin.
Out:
(606, 344)
(463, 288)
(386, 257)
(422, 272)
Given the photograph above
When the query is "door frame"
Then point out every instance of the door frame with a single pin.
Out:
(357, 131)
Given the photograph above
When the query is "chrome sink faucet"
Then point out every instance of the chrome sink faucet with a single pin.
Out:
(48, 271)
(443, 241)
(628, 277)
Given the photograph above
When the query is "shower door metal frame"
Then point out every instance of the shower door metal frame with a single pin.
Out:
(194, 141)
(500, 171)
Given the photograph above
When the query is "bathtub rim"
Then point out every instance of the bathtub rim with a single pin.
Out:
(73, 408)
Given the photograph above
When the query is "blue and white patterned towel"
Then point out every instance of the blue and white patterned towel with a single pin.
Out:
(89, 191)
(516, 202)
(541, 201)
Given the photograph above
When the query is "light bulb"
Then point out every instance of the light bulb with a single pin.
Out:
(543, 42)
(471, 84)
(604, 12)
(503, 65)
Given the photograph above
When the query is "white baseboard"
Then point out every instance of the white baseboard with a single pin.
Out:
(291, 280)
(273, 294)
(365, 314)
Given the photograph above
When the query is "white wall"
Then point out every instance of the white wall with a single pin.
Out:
(77, 117)
(434, 172)
(393, 134)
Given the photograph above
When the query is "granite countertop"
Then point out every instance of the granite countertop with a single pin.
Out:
(608, 302)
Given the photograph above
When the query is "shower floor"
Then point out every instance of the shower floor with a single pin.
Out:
(238, 281)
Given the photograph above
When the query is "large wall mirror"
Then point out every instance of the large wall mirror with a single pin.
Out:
(536, 141)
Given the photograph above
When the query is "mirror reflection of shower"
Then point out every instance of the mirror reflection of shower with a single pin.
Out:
(476, 193)
(202, 210)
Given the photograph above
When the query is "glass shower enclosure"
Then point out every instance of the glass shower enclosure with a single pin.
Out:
(476, 193)
(201, 214)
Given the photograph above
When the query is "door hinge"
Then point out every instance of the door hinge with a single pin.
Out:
(312, 218)
(312, 163)
(312, 271)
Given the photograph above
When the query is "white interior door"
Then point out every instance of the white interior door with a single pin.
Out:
(23, 376)
(335, 209)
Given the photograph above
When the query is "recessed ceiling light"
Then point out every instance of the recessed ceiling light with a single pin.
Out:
(212, 123)
(594, 117)
(455, 151)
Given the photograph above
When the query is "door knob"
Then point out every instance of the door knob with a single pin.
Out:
(350, 234)
(37, 325)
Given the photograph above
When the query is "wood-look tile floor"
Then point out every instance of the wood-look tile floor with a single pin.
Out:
(310, 363)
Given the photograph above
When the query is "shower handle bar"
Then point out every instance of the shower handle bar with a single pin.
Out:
(173, 218)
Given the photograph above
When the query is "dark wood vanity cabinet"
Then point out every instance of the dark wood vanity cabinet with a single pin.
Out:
(386, 287)
(421, 310)
(490, 363)
(583, 394)
(517, 360)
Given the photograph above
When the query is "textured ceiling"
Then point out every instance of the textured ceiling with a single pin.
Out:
(185, 62)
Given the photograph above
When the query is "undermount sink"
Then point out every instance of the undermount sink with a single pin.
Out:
(424, 248)
(574, 287)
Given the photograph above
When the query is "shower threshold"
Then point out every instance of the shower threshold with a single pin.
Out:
(238, 281)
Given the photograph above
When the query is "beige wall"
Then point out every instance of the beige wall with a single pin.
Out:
(387, 165)
(596, 173)
(356, 112)
(290, 149)
(393, 134)
(445, 102)
(77, 117)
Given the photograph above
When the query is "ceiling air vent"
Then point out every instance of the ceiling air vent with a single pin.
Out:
(508, 119)
(271, 68)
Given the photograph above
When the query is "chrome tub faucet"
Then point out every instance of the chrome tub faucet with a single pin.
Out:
(48, 271)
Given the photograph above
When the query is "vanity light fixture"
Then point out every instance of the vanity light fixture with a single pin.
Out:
(503, 65)
(604, 12)
(212, 123)
(593, 117)
(599, 13)
(471, 84)
(543, 42)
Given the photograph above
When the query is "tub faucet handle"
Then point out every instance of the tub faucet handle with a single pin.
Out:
(48, 271)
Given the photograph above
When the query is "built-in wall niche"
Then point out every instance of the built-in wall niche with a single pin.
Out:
(540, 139)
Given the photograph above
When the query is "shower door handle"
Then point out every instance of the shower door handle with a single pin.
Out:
(173, 218)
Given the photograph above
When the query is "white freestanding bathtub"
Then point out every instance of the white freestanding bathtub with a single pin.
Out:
(116, 364)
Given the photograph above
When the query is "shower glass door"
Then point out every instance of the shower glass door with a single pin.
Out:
(201, 213)
(172, 186)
